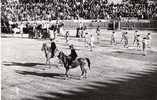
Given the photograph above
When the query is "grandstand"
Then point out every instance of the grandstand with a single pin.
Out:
(120, 14)
(65, 10)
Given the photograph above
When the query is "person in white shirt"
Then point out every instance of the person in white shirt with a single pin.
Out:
(138, 41)
(86, 39)
(148, 37)
(91, 42)
(113, 40)
(98, 33)
(135, 37)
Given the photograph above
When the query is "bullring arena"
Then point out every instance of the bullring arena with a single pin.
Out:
(116, 73)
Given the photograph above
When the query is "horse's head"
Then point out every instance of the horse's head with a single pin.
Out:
(60, 55)
(56, 52)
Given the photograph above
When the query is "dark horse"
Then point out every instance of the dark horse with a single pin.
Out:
(46, 47)
(78, 62)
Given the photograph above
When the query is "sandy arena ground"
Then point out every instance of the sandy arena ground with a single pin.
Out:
(116, 73)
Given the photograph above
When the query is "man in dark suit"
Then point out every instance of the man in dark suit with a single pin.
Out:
(73, 54)
(53, 47)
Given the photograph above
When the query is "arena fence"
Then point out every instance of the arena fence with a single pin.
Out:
(110, 24)
(123, 24)
(106, 24)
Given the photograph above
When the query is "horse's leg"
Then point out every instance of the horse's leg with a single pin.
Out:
(82, 69)
(66, 73)
(46, 61)
(85, 73)
(82, 74)
(49, 62)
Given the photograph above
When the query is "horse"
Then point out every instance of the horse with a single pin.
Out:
(77, 62)
(47, 50)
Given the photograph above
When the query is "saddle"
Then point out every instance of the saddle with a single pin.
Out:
(74, 64)
(71, 61)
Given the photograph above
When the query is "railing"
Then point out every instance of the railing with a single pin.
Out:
(123, 24)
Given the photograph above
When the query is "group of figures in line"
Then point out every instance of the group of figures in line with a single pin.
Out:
(141, 41)
(42, 31)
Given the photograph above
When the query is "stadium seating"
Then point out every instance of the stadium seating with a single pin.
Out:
(65, 10)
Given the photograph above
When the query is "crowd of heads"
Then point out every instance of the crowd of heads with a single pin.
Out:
(70, 9)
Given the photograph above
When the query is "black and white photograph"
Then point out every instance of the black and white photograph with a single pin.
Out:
(78, 49)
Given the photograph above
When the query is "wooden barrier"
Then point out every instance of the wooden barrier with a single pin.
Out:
(107, 24)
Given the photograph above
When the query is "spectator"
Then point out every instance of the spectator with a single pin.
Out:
(113, 40)
(148, 37)
(69, 9)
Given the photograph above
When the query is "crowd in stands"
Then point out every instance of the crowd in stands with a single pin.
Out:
(70, 9)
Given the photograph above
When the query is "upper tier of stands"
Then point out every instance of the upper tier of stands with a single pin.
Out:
(70, 9)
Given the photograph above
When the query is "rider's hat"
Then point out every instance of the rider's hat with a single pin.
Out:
(51, 39)
(71, 46)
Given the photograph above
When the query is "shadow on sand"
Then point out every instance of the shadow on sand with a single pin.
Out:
(25, 64)
(50, 75)
(143, 86)
(21, 64)
(134, 55)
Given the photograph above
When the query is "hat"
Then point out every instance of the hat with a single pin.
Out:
(138, 35)
(71, 46)
(144, 37)
(86, 33)
(51, 39)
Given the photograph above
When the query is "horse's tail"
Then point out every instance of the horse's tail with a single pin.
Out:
(88, 62)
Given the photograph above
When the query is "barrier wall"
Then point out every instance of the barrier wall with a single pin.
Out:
(89, 23)
(139, 24)
(107, 24)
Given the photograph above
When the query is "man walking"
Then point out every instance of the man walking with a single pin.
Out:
(113, 41)
(67, 36)
(148, 37)
(98, 33)
(125, 40)
(135, 37)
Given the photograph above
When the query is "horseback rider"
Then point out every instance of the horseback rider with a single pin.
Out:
(53, 47)
(73, 54)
